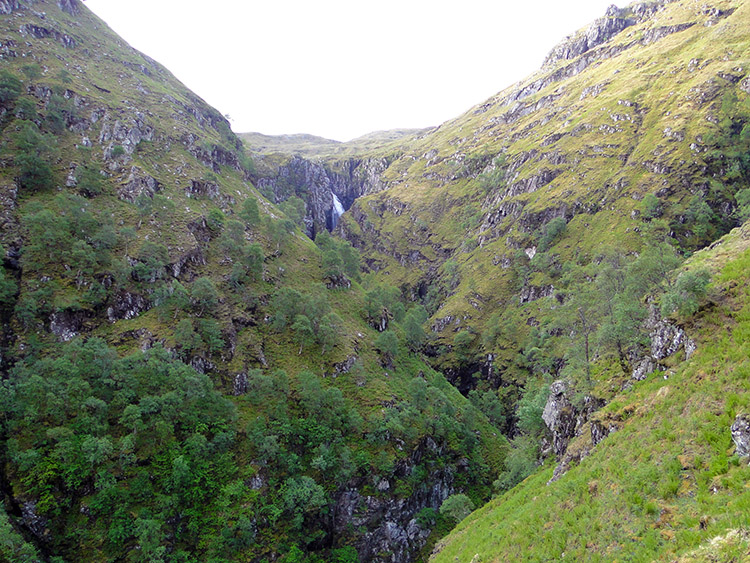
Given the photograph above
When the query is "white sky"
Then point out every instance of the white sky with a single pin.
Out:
(343, 68)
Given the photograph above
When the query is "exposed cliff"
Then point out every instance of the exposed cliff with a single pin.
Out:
(321, 183)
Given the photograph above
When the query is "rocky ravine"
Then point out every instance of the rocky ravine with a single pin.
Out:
(323, 185)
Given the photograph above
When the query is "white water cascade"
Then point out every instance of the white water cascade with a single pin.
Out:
(337, 211)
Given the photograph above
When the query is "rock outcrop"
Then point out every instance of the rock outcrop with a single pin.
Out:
(71, 7)
(324, 185)
(7, 6)
(741, 435)
(600, 31)
(563, 419)
(666, 340)
(393, 534)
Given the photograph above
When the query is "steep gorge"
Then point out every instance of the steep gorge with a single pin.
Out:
(505, 223)
(186, 375)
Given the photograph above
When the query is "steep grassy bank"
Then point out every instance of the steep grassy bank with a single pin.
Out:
(666, 486)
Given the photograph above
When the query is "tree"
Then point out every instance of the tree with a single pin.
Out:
(210, 332)
(90, 182)
(252, 258)
(204, 295)
(451, 271)
(520, 462)
(387, 345)
(10, 86)
(285, 306)
(279, 231)
(415, 334)
(152, 262)
(233, 238)
(329, 331)
(128, 235)
(702, 218)
(35, 149)
(650, 207)
(324, 240)
(215, 220)
(743, 202)
(350, 258)
(8, 288)
(302, 496)
(462, 346)
(250, 213)
(172, 298)
(315, 304)
(49, 239)
(552, 231)
(685, 297)
(294, 209)
(332, 265)
(55, 118)
(186, 338)
(489, 404)
(456, 507)
(26, 109)
(303, 332)
(530, 409)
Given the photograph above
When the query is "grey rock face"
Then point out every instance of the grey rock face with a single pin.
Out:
(7, 6)
(643, 368)
(666, 340)
(344, 367)
(600, 31)
(72, 7)
(741, 435)
(394, 535)
(138, 183)
(241, 384)
(531, 293)
(32, 521)
(560, 417)
(566, 421)
(600, 430)
(127, 306)
(199, 188)
(66, 324)
(40, 32)
(181, 267)
(347, 180)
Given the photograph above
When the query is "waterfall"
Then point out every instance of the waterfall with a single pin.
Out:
(337, 211)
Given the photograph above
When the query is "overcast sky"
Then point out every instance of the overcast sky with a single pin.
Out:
(343, 68)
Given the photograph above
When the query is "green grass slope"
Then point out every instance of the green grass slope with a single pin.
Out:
(666, 486)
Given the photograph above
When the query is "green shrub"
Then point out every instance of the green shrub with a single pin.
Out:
(456, 507)
(686, 295)
(10, 86)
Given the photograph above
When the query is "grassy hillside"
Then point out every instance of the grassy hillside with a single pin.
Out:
(666, 486)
